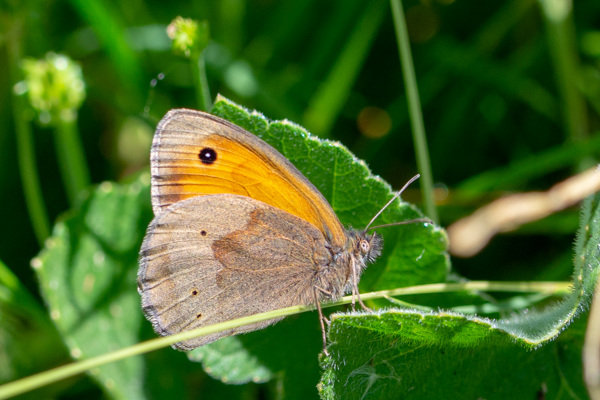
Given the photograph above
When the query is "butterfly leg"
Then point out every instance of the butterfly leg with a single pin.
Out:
(327, 293)
(355, 291)
(322, 320)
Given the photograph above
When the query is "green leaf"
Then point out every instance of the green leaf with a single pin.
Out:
(411, 354)
(457, 358)
(231, 362)
(87, 273)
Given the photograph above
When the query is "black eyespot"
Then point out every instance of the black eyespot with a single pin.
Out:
(194, 292)
(203, 233)
(207, 155)
(198, 315)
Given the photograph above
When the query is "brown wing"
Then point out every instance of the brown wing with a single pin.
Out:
(210, 259)
(235, 162)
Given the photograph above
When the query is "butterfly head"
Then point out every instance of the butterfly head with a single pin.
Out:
(367, 246)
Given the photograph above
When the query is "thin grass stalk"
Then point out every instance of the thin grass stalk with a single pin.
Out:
(415, 113)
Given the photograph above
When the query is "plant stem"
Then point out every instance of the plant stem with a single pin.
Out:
(71, 158)
(414, 106)
(44, 378)
(563, 50)
(201, 83)
(25, 147)
(484, 286)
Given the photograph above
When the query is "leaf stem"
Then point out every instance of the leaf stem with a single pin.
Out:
(200, 82)
(71, 158)
(415, 113)
(555, 288)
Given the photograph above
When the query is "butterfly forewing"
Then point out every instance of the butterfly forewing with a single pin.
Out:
(195, 153)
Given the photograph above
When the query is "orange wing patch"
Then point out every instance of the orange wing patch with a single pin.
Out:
(240, 163)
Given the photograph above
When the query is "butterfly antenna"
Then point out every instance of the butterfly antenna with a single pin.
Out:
(411, 180)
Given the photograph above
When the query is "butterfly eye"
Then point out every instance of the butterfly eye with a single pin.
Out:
(365, 246)
(207, 155)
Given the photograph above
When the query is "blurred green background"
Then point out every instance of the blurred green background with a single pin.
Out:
(510, 92)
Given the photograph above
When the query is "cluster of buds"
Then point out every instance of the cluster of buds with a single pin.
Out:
(189, 37)
(55, 87)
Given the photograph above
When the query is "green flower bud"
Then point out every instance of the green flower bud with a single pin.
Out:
(189, 37)
(54, 86)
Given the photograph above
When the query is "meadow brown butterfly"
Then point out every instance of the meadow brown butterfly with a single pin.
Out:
(238, 230)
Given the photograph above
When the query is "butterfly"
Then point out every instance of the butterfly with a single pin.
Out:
(238, 230)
